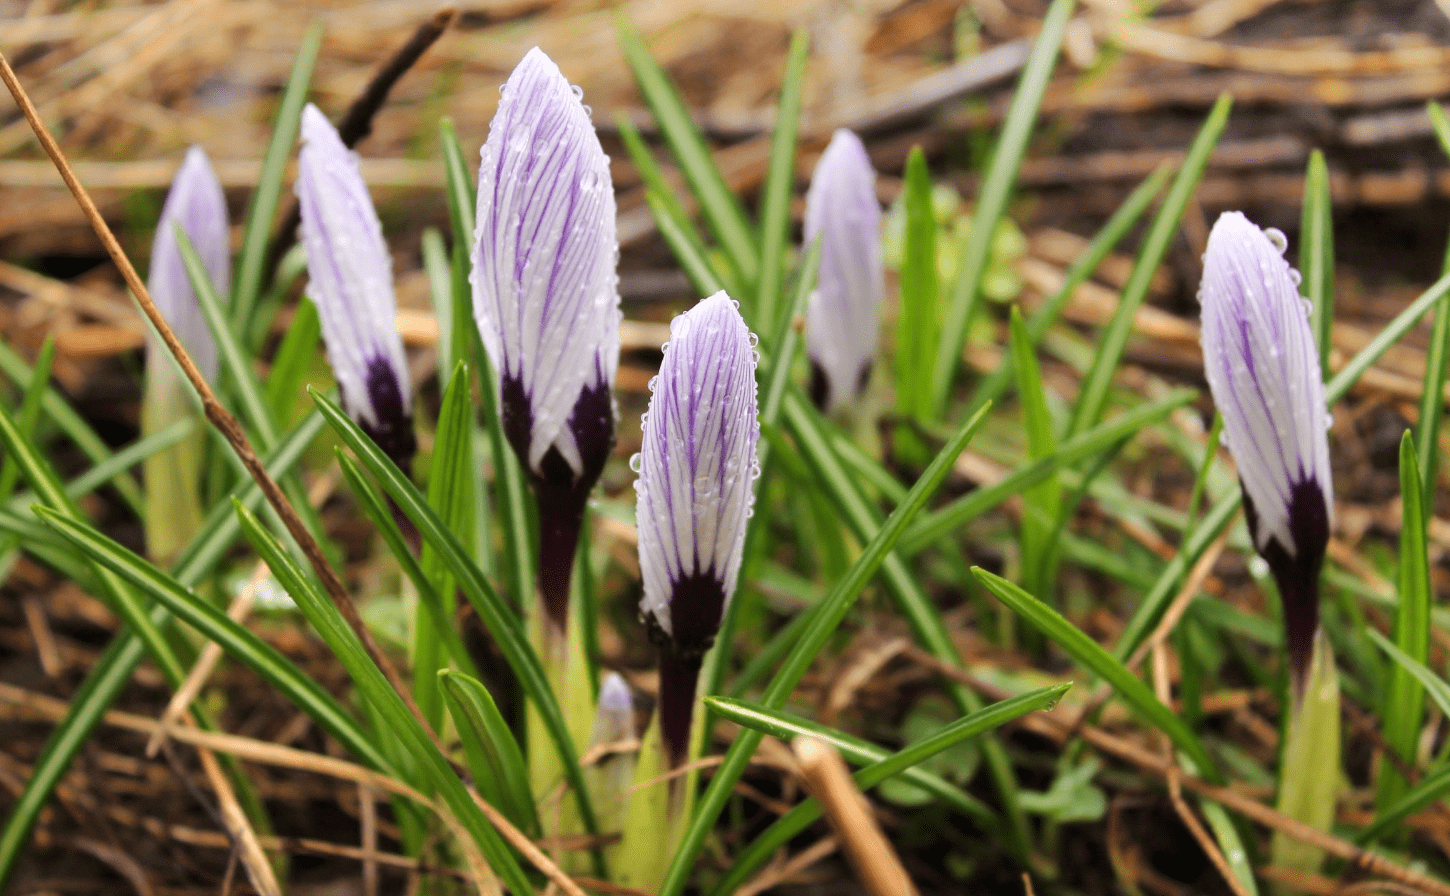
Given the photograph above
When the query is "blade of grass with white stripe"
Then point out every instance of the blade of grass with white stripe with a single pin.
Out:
(825, 618)
(882, 765)
(373, 687)
(1093, 396)
(501, 620)
(73, 425)
(262, 207)
(949, 519)
(1404, 707)
(1101, 663)
(992, 200)
(510, 494)
(113, 670)
(718, 204)
(290, 270)
(779, 181)
(28, 415)
(1087, 262)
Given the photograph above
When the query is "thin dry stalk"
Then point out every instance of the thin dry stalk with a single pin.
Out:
(368, 818)
(216, 414)
(771, 877)
(870, 853)
(249, 848)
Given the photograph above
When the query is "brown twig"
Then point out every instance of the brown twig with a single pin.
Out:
(828, 780)
(357, 121)
(216, 414)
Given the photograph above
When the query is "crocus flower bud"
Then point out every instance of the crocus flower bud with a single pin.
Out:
(1263, 370)
(546, 299)
(697, 468)
(841, 209)
(197, 205)
(351, 280)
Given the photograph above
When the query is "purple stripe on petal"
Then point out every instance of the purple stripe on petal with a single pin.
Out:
(697, 467)
(545, 288)
(841, 317)
(351, 281)
(196, 204)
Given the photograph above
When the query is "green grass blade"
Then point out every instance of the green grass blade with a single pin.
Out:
(882, 765)
(692, 255)
(1431, 790)
(262, 208)
(376, 509)
(1316, 254)
(113, 670)
(500, 619)
(718, 204)
(493, 754)
(1393, 332)
(1118, 225)
(825, 618)
(779, 181)
(1042, 503)
(1100, 438)
(293, 362)
(1436, 688)
(73, 425)
(919, 328)
(1404, 707)
(1437, 359)
(241, 379)
(239, 643)
(450, 494)
(117, 464)
(992, 198)
(1093, 397)
(373, 687)
(29, 414)
(1101, 663)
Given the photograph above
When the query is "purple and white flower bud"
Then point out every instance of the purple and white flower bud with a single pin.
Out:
(196, 204)
(841, 328)
(697, 468)
(351, 280)
(1263, 369)
(614, 717)
(546, 300)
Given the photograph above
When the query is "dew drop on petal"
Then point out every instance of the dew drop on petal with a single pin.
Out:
(636, 462)
(1276, 236)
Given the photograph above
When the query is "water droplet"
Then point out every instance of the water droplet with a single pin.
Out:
(636, 462)
(1276, 236)
(1295, 277)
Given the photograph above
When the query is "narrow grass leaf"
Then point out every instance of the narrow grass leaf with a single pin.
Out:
(1122, 220)
(1101, 663)
(1093, 396)
(1316, 254)
(293, 362)
(373, 687)
(825, 618)
(73, 425)
(493, 754)
(238, 642)
(1042, 503)
(1404, 707)
(262, 208)
(29, 414)
(779, 181)
(882, 765)
(919, 328)
(501, 620)
(375, 508)
(1393, 332)
(112, 671)
(992, 199)
(718, 204)
(951, 518)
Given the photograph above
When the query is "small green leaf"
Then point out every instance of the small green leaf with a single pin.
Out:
(493, 754)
